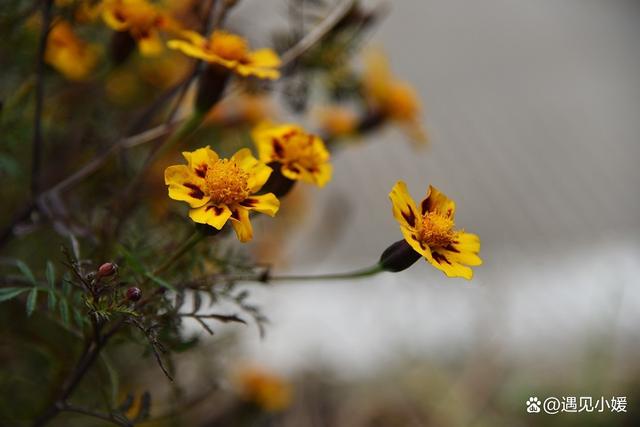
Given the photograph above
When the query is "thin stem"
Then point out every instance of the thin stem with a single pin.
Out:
(188, 244)
(36, 149)
(365, 272)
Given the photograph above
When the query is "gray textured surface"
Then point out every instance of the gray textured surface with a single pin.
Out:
(534, 112)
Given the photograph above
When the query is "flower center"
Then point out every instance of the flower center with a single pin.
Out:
(436, 230)
(299, 148)
(228, 46)
(226, 182)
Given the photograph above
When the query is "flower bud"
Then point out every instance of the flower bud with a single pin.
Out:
(122, 44)
(371, 121)
(134, 294)
(107, 269)
(399, 256)
(211, 85)
(277, 183)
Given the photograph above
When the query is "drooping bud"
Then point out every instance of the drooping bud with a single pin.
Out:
(134, 294)
(107, 269)
(399, 256)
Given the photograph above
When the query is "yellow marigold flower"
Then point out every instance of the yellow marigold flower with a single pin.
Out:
(141, 19)
(430, 231)
(302, 156)
(230, 51)
(264, 389)
(70, 55)
(393, 98)
(221, 189)
(338, 121)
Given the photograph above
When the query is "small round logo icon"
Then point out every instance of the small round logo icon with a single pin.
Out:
(533, 405)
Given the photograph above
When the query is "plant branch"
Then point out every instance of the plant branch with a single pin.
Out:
(95, 414)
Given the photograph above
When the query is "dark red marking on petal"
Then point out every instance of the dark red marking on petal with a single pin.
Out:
(294, 168)
(450, 248)
(277, 147)
(289, 134)
(217, 210)
(235, 214)
(201, 170)
(249, 203)
(410, 217)
(439, 258)
(426, 205)
(196, 192)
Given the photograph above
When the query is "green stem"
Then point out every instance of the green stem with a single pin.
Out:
(186, 246)
(188, 127)
(365, 272)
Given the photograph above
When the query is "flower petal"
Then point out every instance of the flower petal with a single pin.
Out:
(436, 201)
(441, 260)
(266, 203)
(215, 216)
(191, 50)
(247, 70)
(264, 58)
(404, 208)
(150, 44)
(199, 160)
(185, 186)
(113, 20)
(258, 171)
(412, 238)
(241, 224)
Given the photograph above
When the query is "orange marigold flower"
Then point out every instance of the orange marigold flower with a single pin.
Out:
(264, 389)
(143, 21)
(430, 231)
(302, 156)
(337, 120)
(395, 99)
(70, 55)
(230, 51)
(218, 190)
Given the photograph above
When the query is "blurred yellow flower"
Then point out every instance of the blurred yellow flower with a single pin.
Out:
(70, 55)
(337, 121)
(143, 21)
(221, 189)
(247, 109)
(302, 156)
(393, 98)
(230, 51)
(430, 231)
(264, 389)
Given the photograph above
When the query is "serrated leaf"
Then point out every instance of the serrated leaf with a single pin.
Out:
(32, 299)
(26, 271)
(51, 274)
(64, 311)
(160, 282)
(9, 293)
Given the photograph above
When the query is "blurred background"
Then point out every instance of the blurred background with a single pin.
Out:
(532, 109)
